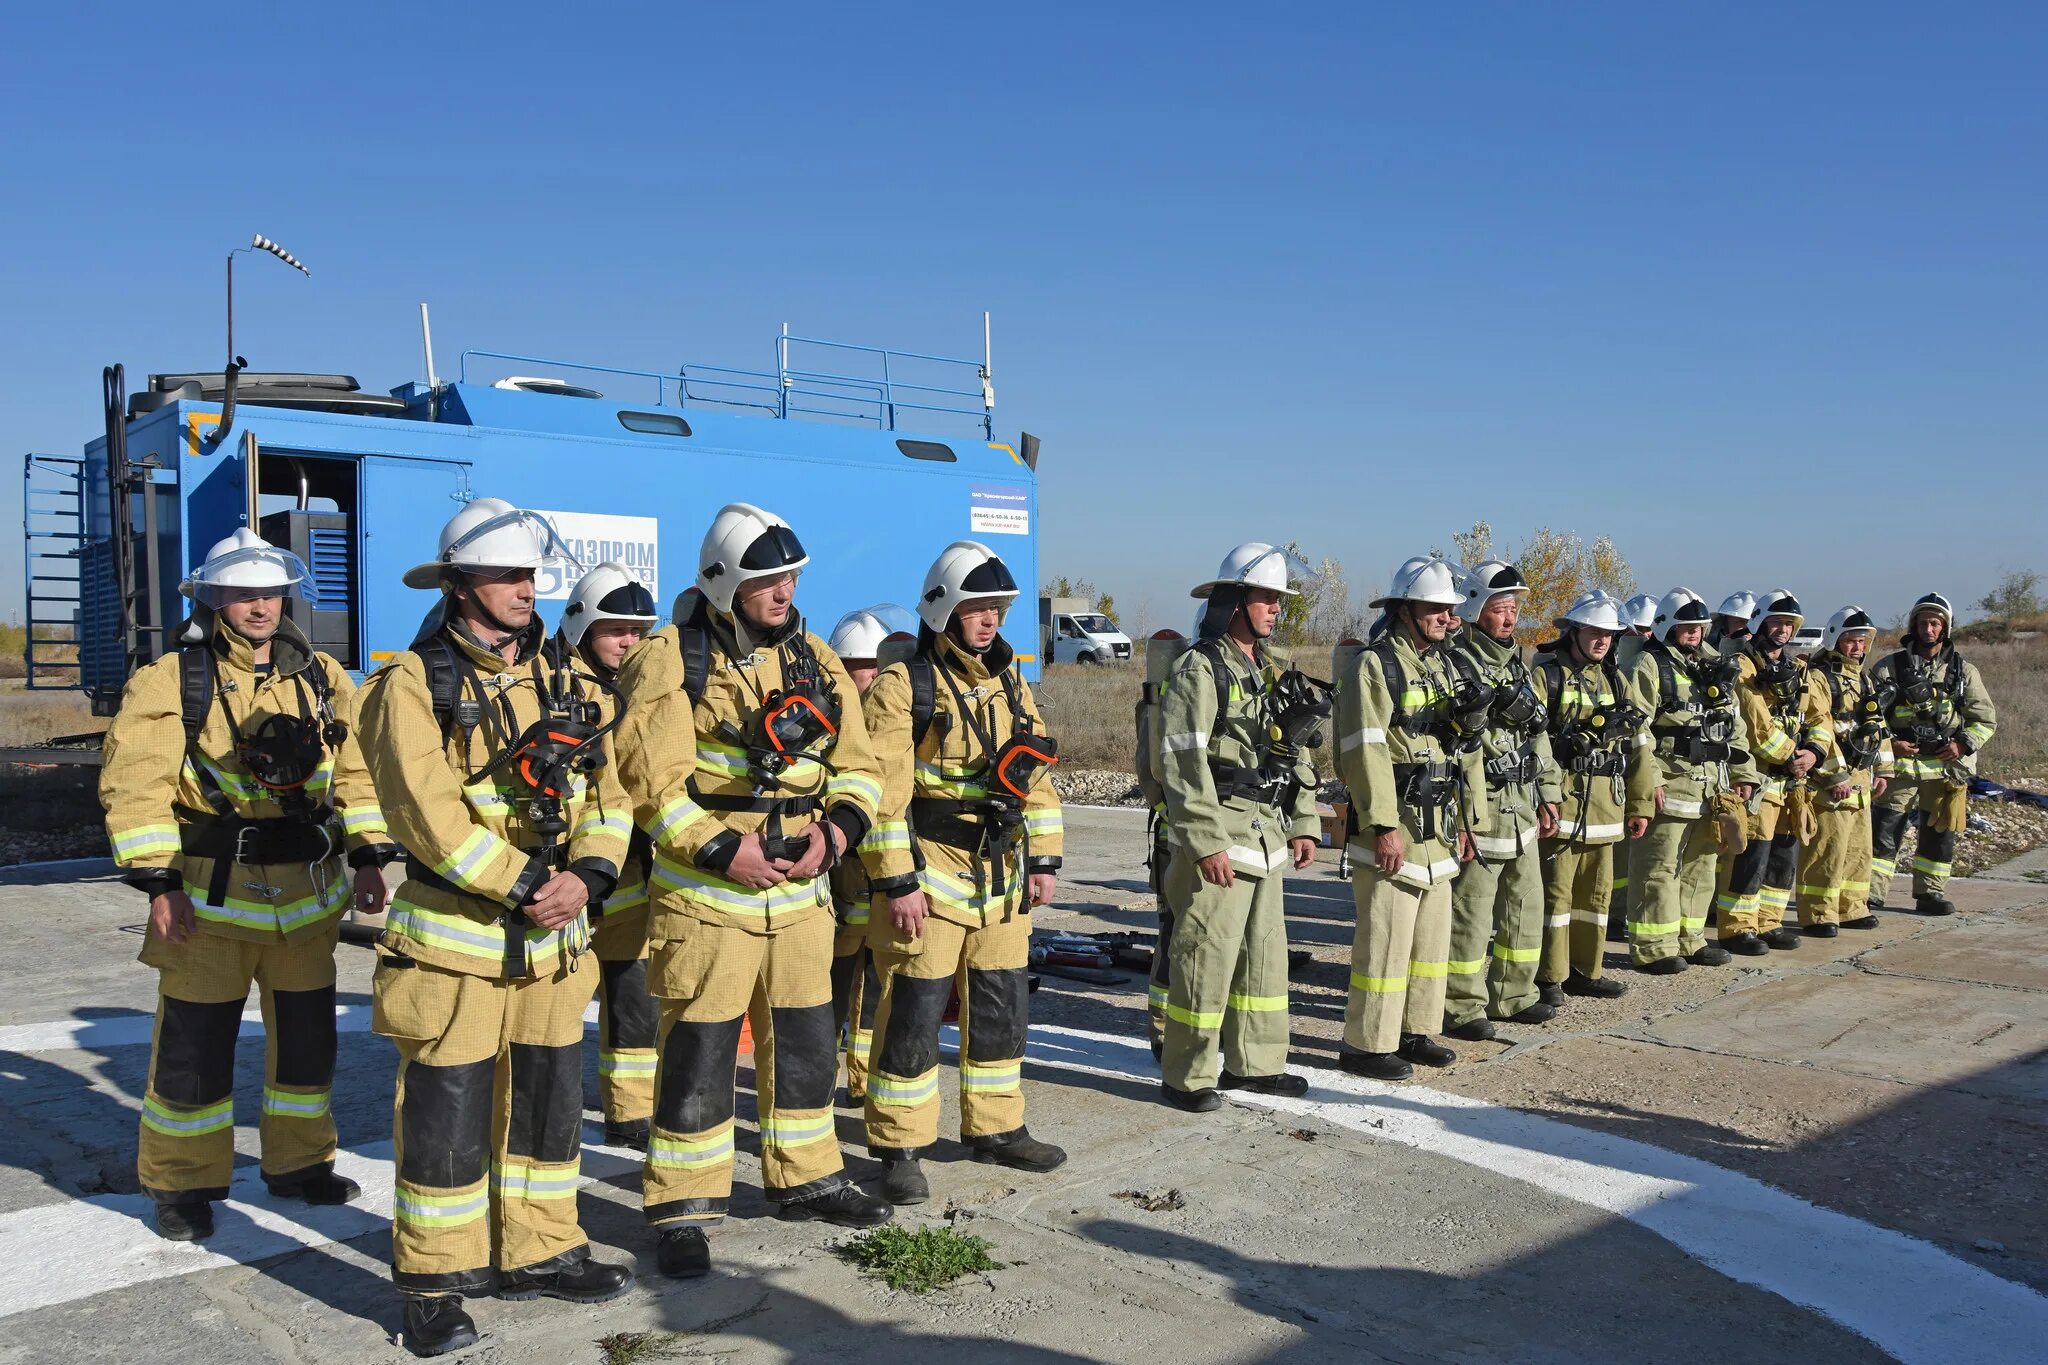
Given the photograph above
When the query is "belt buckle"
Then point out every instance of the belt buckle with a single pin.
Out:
(241, 853)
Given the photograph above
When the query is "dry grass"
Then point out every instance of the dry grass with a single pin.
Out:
(2017, 675)
(34, 717)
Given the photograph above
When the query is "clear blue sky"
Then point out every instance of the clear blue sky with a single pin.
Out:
(1760, 290)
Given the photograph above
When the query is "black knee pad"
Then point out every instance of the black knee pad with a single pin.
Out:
(195, 1051)
(446, 1121)
(845, 971)
(917, 1005)
(806, 1057)
(305, 1037)
(1887, 827)
(1746, 871)
(998, 1013)
(1782, 861)
(870, 992)
(547, 1102)
(634, 1018)
(1937, 847)
(697, 1065)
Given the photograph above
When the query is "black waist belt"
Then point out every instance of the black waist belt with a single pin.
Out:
(987, 830)
(280, 839)
(784, 806)
(511, 918)
(1511, 769)
(1599, 763)
(1252, 784)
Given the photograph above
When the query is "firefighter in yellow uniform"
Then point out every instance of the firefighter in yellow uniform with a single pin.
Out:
(232, 784)
(856, 989)
(1675, 782)
(1409, 751)
(749, 767)
(1240, 804)
(967, 844)
(1941, 716)
(489, 760)
(1595, 729)
(1786, 727)
(609, 612)
(1834, 862)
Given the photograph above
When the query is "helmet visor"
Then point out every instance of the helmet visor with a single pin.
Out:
(990, 578)
(258, 571)
(628, 599)
(775, 548)
(512, 540)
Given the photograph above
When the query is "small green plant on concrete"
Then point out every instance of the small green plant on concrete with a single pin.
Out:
(636, 1348)
(919, 1261)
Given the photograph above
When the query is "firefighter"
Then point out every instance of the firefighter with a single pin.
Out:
(748, 764)
(232, 785)
(1497, 899)
(608, 613)
(1731, 622)
(1639, 620)
(1834, 862)
(1162, 651)
(856, 990)
(1675, 782)
(1240, 806)
(1409, 751)
(1785, 724)
(1594, 730)
(489, 759)
(1941, 716)
(967, 843)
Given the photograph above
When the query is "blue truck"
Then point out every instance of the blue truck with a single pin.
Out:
(877, 458)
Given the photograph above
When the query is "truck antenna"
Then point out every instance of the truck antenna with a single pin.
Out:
(427, 345)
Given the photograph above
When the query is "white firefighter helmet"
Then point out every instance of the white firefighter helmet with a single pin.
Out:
(488, 534)
(247, 560)
(609, 592)
(964, 570)
(1423, 579)
(1640, 611)
(859, 635)
(1679, 607)
(1598, 609)
(1254, 564)
(1738, 604)
(1937, 604)
(745, 542)
(1777, 602)
(1486, 581)
(1848, 621)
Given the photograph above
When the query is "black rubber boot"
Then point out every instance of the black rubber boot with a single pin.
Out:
(903, 1181)
(1542, 1012)
(1377, 1066)
(1478, 1030)
(1663, 966)
(846, 1206)
(315, 1187)
(437, 1326)
(683, 1253)
(1874, 904)
(580, 1281)
(1595, 987)
(1712, 955)
(1784, 938)
(190, 1221)
(630, 1134)
(1747, 944)
(1194, 1101)
(1286, 1083)
(1818, 930)
(1551, 994)
(1424, 1050)
(1158, 1049)
(1934, 905)
(1019, 1151)
(1865, 922)
(1617, 928)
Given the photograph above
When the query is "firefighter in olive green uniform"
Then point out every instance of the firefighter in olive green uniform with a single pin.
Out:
(1941, 717)
(1786, 727)
(489, 762)
(1408, 749)
(748, 764)
(232, 785)
(1834, 863)
(856, 989)
(967, 843)
(1595, 729)
(1497, 899)
(1240, 803)
(1638, 617)
(608, 613)
(1676, 782)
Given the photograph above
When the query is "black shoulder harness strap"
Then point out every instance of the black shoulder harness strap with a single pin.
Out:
(195, 688)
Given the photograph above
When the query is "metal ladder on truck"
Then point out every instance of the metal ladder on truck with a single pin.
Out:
(53, 540)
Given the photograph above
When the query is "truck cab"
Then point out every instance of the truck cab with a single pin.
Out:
(1076, 633)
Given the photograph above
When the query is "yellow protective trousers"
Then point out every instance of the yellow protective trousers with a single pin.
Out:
(989, 967)
(627, 1017)
(708, 979)
(1496, 938)
(856, 991)
(1739, 877)
(1834, 866)
(1671, 869)
(1578, 888)
(187, 1145)
(1400, 955)
(1226, 978)
(1157, 986)
(488, 1121)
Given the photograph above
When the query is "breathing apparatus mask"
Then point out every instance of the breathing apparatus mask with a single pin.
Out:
(1516, 707)
(799, 720)
(1018, 764)
(1920, 708)
(1867, 723)
(1594, 744)
(1298, 705)
(284, 752)
(1779, 679)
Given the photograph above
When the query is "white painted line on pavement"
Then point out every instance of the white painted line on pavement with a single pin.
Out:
(1906, 1295)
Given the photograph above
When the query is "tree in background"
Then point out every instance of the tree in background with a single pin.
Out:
(1560, 567)
(2017, 596)
(1320, 610)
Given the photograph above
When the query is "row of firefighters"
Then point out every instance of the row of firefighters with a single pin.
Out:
(1678, 767)
(730, 822)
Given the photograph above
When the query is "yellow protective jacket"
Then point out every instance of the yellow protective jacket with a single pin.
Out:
(157, 790)
(1846, 685)
(928, 835)
(1576, 692)
(1691, 786)
(691, 784)
(1962, 704)
(1777, 731)
(1390, 732)
(471, 845)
